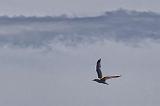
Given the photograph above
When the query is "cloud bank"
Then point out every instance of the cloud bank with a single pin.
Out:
(121, 25)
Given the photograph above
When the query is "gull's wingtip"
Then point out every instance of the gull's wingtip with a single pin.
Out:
(99, 59)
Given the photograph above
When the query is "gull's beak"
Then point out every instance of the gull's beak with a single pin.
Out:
(93, 80)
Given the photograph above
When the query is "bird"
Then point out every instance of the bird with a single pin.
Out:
(102, 79)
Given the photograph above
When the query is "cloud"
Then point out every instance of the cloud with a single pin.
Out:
(121, 25)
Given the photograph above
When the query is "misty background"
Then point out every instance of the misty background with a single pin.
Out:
(120, 26)
(47, 61)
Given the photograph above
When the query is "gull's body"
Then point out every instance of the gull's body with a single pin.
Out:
(102, 79)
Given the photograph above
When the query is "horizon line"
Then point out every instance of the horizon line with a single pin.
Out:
(66, 15)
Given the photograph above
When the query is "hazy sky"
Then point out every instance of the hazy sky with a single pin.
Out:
(46, 62)
(63, 77)
(73, 7)
(52, 63)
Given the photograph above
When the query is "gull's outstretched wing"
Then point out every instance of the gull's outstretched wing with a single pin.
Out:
(98, 68)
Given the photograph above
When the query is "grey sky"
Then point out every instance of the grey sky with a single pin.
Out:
(33, 77)
(40, 64)
(51, 62)
(73, 7)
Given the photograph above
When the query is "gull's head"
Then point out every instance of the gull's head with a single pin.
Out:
(96, 80)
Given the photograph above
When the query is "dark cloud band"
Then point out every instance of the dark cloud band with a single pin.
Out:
(120, 25)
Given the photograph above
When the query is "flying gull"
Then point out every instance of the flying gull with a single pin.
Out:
(102, 79)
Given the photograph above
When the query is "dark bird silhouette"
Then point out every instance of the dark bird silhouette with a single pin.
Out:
(102, 79)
